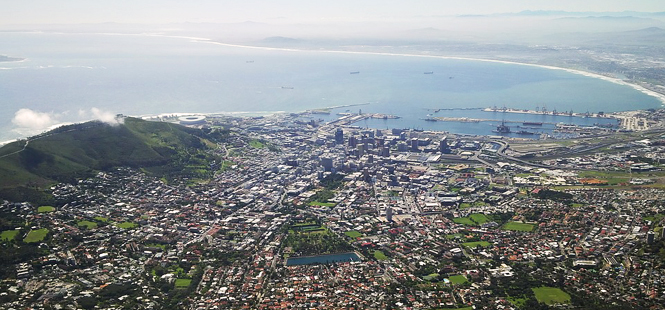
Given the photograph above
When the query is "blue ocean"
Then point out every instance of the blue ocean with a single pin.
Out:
(65, 75)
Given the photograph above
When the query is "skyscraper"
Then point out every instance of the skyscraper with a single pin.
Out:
(443, 145)
(339, 136)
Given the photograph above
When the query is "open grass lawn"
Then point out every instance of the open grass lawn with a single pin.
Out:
(322, 204)
(45, 209)
(479, 218)
(465, 205)
(101, 219)
(8, 235)
(612, 177)
(476, 244)
(475, 219)
(518, 226)
(464, 221)
(353, 234)
(380, 255)
(551, 295)
(88, 224)
(257, 144)
(127, 225)
(182, 283)
(36, 235)
(458, 279)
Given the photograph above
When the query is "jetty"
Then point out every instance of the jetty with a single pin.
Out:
(546, 112)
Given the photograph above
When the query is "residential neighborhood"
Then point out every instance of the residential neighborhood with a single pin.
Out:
(303, 214)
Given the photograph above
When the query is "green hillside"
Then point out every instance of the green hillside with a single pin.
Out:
(76, 151)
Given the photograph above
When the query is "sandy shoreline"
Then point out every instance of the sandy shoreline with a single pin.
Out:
(639, 88)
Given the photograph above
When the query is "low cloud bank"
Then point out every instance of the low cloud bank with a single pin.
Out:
(29, 119)
(28, 122)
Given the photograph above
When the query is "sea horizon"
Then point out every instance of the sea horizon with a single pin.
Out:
(76, 72)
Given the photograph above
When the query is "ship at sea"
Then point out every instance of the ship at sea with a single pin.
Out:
(502, 128)
(428, 72)
(355, 72)
(532, 124)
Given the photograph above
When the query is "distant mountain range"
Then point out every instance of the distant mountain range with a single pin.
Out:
(7, 58)
(582, 14)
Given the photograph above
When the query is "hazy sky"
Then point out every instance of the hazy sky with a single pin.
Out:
(284, 11)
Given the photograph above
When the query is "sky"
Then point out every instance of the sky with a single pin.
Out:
(285, 11)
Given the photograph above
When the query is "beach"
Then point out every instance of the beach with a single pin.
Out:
(639, 88)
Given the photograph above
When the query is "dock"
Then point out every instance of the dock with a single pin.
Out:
(553, 113)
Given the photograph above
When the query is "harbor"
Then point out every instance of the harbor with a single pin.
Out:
(544, 111)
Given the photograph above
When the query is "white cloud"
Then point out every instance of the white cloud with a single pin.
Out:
(33, 120)
(105, 116)
(100, 115)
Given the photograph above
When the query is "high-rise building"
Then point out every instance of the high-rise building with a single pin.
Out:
(651, 237)
(361, 150)
(443, 145)
(385, 151)
(353, 142)
(327, 163)
(339, 136)
(402, 147)
(414, 145)
(389, 214)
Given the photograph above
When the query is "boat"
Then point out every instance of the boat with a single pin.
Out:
(355, 72)
(502, 128)
(524, 132)
(428, 72)
(430, 119)
(287, 87)
(532, 124)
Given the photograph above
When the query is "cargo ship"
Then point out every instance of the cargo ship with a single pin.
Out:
(355, 72)
(532, 124)
(428, 72)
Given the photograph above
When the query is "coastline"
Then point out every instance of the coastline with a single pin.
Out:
(642, 89)
(637, 87)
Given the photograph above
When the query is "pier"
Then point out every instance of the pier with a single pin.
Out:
(553, 112)
(478, 120)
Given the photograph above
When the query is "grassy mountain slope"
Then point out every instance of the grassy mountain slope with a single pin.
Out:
(75, 151)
